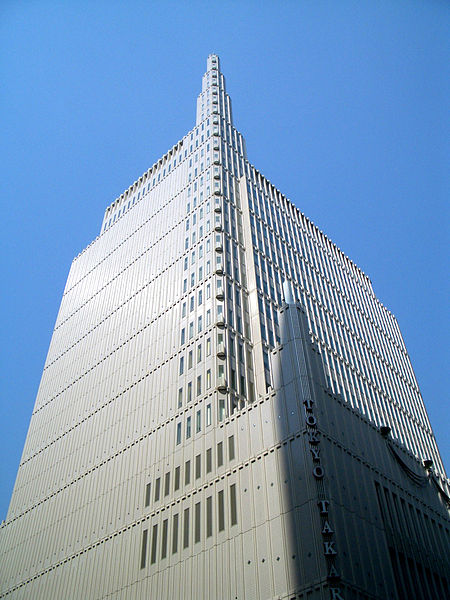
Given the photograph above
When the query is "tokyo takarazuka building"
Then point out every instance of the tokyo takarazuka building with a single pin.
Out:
(226, 409)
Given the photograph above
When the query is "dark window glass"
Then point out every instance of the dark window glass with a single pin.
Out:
(186, 528)
(154, 542)
(144, 548)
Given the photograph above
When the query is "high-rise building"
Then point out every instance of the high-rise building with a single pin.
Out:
(226, 410)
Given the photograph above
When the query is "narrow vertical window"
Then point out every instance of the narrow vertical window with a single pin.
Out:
(187, 472)
(220, 511)
(199, 385)
(144, 548)
(175, 534)
(167, 483)
(164, 538)
(198, 421)
(154, 542)
(181, 365)
(177, 478)
(209, 516)
(189, 392)
(179, 433)
(208, 414)
(148, 488)
(180, 397)
(219, 454)
(186, 528)
(208, 379)
(157, 489)
(198, 466)
(233, 506)
(231, 447)
(197, 523)
(188, 427)
(208, 460)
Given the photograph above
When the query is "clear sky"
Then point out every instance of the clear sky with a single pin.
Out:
(344, 107)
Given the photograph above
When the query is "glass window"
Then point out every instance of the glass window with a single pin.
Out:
(183, 336)
(188, 427)
(187, 472)
(148, 488)
(220, 510)
(180, 397)
(186, 528)
(178, 433)
(208, 379)
(157, 489)
(198, 466)
(198, 422)
(177, 479)
(175, 534)
(181, 365)
(199, 353)
(209, 460)
(190, 359)
(208, 347)
(220, 454)
(189, 392)
(208, 415)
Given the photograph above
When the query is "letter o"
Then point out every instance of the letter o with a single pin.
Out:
(311, 420)
(318, 472)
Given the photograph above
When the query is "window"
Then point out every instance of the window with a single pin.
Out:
(184, 286)
(209, 516)
(188, 428)
(209, 460)
(199, 385)
(148, 488)
(187, 472)
(183, 336)
(208, 318)
(208, 379)
(198, 466)
(208, 347)
(220, 510)
(191, 330)
(190, 359)
(177, 478)
(181, 365)
(144, 548)
(200, 324)
(200, 297)
(208, 415)
(154, 541)
(186, 528)
(178, 433)
(164, 538)
(199, 353)
(167, 483)
(189, 393)
(198, 423)
(233, 505)
(191, 303)
(180, 397)
(231, 447)
(197, 525)
(157, 489)
(219, 454)
(175, 534)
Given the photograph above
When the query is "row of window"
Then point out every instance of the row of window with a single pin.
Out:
(162, 541)
(162, 487)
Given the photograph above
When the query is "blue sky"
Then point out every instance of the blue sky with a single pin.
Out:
(344, 107)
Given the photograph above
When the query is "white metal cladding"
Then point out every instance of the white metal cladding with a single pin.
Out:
(150, 405)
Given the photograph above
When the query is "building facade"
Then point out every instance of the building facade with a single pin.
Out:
(226, 409)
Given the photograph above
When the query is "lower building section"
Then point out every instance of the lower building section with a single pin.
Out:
(294, 496)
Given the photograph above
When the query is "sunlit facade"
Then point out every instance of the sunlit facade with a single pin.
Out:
(217, 369)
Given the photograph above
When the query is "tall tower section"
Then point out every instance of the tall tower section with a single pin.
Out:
(226, 409)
